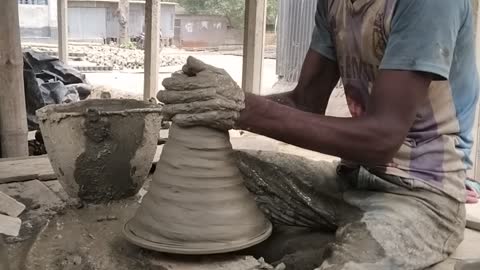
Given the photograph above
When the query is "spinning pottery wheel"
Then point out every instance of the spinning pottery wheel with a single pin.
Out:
(197, 203)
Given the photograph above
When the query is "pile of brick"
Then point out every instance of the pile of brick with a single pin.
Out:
(115, 57)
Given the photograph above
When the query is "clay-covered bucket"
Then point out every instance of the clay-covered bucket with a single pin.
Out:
(101, 150)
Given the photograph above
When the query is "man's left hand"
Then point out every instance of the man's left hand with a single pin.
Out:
(202, 95)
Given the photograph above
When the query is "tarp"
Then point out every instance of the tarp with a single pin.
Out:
(49, 81)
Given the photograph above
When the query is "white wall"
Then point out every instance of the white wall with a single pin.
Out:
(52, 13)
(33, 16)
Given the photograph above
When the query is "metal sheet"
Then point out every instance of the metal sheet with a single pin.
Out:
(296, 21)
(87, 23)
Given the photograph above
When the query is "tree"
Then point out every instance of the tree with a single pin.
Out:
(272, 12)
(233, 10)
(123, 16)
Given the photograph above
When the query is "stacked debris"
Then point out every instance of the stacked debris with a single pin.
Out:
(122, 58)
(115, 57)
(48, 81)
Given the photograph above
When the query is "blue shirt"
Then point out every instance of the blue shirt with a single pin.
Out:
(434, 36)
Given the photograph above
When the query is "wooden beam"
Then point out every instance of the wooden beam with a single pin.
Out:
(254, 44)
(62, 19)
(152, 37)
(13, 114)
(474, 156)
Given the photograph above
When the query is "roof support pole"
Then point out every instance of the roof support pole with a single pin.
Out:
(152, 38)
(254, 44)
(13, 114)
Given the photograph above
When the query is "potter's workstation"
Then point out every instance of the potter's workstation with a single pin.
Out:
(296, 135)
(197, 203)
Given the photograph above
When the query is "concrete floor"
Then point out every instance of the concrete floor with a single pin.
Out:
(90, 238)
(61, 235)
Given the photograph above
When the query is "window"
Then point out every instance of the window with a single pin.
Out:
(33, 2)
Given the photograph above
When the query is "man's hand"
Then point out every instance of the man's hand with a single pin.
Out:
(202, 95)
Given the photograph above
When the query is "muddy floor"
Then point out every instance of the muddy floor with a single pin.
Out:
(62, 234)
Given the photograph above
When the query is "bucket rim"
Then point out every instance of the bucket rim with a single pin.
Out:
(62, 110)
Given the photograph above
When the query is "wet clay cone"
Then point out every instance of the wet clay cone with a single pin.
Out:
(197, 203)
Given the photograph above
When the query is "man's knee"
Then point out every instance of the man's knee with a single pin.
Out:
(278, 167)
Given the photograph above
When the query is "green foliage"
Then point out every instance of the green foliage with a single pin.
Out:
(129, 45)
(233, 10)
(272, 11)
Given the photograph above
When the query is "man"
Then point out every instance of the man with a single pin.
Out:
(397, 198)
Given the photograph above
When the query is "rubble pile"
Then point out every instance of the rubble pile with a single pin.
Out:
(120, 58)
(115, 57)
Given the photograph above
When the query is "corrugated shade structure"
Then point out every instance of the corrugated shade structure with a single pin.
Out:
(296, 20)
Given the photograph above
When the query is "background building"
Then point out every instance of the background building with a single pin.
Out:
(200, 31)
(204, 31)
(88, 20)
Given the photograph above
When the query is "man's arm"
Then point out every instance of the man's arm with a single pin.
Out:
(370, 139)
(318, 78)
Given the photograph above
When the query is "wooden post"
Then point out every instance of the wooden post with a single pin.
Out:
(62, 20)
(13, 114)
(474, 156)
(254, 43)
(152, 34)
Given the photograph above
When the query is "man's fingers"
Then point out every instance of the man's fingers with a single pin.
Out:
(200, 107)
(172, 83)
(177, 97)
(183, 83)
(215, 119)
(195, 66)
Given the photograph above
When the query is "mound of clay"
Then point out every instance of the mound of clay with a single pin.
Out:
(197, 203)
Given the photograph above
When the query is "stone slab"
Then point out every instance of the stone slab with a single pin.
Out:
(25, 169)
(41, 205)
(37, 197)
(9, 206)
(10, 225)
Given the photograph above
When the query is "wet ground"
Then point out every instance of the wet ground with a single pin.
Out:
(89, 237)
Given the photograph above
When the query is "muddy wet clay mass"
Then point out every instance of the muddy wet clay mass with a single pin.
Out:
(101, 150)
(197, 202)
